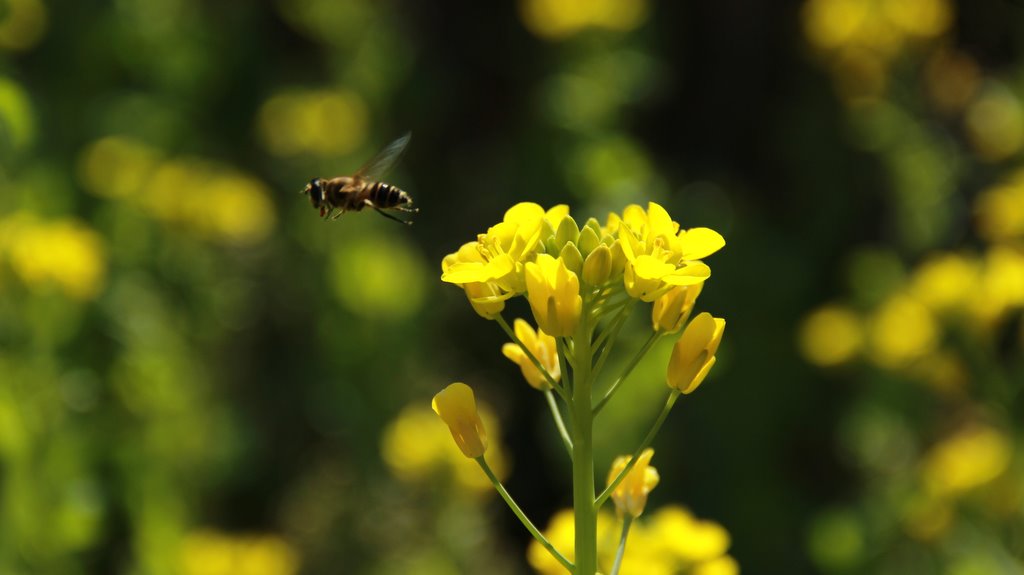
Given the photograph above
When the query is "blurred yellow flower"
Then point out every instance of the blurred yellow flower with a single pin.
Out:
(901, 331)
(543, 348)
(995, 123)
(694, 353)
(22, 24)
(17, 120)
(416, 447)
(687, 538)
(65, 253)
(630, 496)
(723, 565)
(117, 167)
(860, 38)
(327, 123)
(456, 406)
(669, 542)
(208, 552)
(830, 335)
(999, 210)
(945, 281)
(557, 19)
(1001, 287)
(554, 295)
(209, 198)
(972, 457)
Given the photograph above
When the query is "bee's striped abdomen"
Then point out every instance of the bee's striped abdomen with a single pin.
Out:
(386, 196)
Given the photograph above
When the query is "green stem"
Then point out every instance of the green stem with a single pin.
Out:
(568, 376)
(557, 414)
(522, 516)
(585, 513)
(629, 369)
(626, 523)
(636, 454)
(606, 350)
(536, 362)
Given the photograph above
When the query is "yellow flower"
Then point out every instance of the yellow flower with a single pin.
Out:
(457, 408)
(207, 552)
(694, 353)
(630, 495)
(830, 335)
(723, 565)
(688, 538)
(659, 255)
(970, 458)
(498, 256)
(418, 450)
(672, 309)
(542, 346)
(554, 295)
(65, 253)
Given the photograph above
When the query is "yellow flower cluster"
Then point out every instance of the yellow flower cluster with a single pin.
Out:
(905, 330)
(545, 256)
(208, 552)
(556, 19)
(670, 542)
(1000, 210)
(212, 200)
(860, 38)
(328, 123)
(64, 253)
(417, 448)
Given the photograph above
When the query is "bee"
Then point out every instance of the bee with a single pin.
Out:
(363, 189)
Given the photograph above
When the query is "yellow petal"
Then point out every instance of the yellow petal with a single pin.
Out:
(699, 243)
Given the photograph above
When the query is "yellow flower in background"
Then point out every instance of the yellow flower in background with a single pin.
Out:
(65, 253)
(999, 210)
(208, 552)
(324, 122)
(970, 458)
(22, 24)
(724, 565)
(557, 19)
(1001, 287)
(554, 295)
(694, 353)
(542, 346)
(456, 406)
(830, 335)
(671, 310)
(630, 496)
(210, 199)
(687, 538)
(945, 281)
(901, 330)
(994, 123)
(667, 542)
(417, 448)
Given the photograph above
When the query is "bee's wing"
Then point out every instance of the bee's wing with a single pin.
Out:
(384, 160)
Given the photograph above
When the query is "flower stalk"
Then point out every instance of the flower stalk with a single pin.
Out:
(581, 284)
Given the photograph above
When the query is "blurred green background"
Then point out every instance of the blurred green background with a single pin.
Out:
(199, 376)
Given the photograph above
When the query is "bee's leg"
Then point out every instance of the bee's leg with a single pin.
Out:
(407, 209)
(338, 215)
(385, 214)
(326, 214)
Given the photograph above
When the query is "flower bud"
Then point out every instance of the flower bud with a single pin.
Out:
(694, 353)
(567, 231)
(630, 496)
(598, 267)
(554, 295)
(672, 309)
(456, 406)
(542, 346)
(588, 241)
(572, 258)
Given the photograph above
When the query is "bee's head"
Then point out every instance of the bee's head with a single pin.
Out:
(315, 192)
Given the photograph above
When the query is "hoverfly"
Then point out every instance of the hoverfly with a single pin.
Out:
(363, 189)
